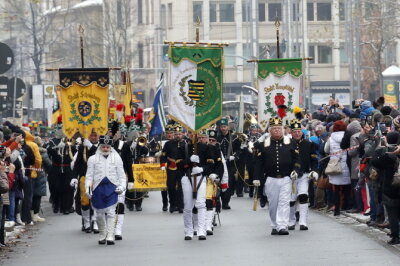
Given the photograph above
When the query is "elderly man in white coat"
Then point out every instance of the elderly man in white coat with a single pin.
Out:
(105, 180)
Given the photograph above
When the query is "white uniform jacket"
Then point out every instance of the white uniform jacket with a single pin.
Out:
(110, 167)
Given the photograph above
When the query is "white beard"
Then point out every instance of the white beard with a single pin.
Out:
(105, 153)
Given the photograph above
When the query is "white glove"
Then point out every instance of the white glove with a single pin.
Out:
(130, 185)
(256, 183)
(74, 182)
(243, 146)
(119, 190)
(87, 143)
(88, 192)
(224, 189)
(231, 158)
(61, 145)
(313, 175)
(157, 154)
(213, 177)
(293, 175)
(162, 168)
(195, 158)
(197, 170)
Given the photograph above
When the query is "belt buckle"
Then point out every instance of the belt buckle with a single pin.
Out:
(278, 176)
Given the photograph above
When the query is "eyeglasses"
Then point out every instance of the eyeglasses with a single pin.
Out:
(212, 140)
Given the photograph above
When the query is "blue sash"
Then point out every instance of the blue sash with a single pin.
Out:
(104, 195)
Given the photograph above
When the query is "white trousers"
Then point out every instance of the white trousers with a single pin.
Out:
(106, 222)
(189, 203)
(301, 188)
(278, 192)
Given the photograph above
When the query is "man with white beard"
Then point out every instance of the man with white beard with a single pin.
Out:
(105, 180)
(278, 160)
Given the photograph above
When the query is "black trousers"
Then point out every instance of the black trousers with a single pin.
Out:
(134, 198)
(175, 188)
(36, 201)
(27, 201)
(226, 196)
(164, 195)
(239, 182)
(394, 219)
(62, 193)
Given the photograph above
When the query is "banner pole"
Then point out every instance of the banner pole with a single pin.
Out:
(81, 31)
(277, 25)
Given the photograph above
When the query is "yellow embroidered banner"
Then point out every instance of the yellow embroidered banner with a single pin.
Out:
(84, 101)
(149, 177)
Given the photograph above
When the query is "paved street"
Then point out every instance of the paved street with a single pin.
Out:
(155, 238)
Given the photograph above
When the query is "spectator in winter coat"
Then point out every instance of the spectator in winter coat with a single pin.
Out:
(341, 182)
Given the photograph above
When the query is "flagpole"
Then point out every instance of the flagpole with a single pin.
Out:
(277, 25)
(81, 31)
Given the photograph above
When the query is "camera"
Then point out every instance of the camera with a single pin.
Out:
(382, 128)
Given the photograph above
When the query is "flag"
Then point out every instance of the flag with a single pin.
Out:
(128, 94)
(195, 94)
(279, 86)
(84, 100)
(157, 115)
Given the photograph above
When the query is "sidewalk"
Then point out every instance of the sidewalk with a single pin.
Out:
(359, 222)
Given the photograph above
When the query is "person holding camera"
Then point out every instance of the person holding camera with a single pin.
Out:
(388, 162)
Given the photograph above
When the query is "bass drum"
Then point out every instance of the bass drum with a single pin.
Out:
(149, 159)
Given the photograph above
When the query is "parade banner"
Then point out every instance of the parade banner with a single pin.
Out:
(149, 176)
(195, 81)
(84, 100)
(157, 115)
(279, 84)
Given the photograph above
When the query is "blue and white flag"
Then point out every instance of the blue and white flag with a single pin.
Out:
(157, 115)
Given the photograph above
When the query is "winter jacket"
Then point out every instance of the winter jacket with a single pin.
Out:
(332, 146)
(366, 109)
(354, 156)
(391, 194)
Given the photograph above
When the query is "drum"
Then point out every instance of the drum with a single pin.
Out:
(149, 159)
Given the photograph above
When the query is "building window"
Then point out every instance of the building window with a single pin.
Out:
(324, 12)
(342, 12)
(213, 12)
(163, 16)
(169, 15)
(296, 11)
(222, 12)
(245, 12)
(261, 12)
(226, 13)
(310, 11)
(140, 11)
(324, 54)
(140, 55)
(263, 51)
(274, 12)
(344, 58)
(311, 53)
(197, 11)
(247, 50)
(230, 55)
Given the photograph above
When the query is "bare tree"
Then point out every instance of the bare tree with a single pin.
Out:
(379, 31)
(33, 25)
